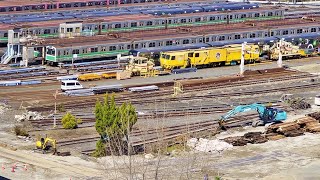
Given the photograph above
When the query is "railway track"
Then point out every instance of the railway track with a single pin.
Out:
(149, 97)
(166, 134)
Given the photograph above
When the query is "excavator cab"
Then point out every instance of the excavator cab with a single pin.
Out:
(45, 144)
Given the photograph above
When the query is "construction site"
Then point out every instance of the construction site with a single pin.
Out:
(226, 96)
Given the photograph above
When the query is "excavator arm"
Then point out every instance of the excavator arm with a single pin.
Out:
(261, 109)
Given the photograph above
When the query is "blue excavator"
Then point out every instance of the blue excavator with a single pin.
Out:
(266, 114)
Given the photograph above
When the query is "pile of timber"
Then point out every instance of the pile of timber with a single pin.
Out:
(277, 131)
(315, 115)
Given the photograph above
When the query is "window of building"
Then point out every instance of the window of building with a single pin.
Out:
(69, 29)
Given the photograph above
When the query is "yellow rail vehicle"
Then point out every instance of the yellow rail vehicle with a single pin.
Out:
(227, 55)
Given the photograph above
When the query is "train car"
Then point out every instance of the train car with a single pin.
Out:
(227, 55)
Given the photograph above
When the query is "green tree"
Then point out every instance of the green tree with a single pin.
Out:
(114, 122)
(69, 121)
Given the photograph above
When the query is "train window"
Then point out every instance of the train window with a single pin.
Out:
(237, 36)
(207, 39)
(243, 15)
(224, 17)
(125, 25)
(167, 56)
(173, 57)
(117, 25)
(112, 48)
(141, 24)
(204, 18)
(190, 20)
(83, 4)
(221, 38)
(230, 17)
(128, 46)
(196, 55)
(160, 44)
(68, 5)
(285, 32)
(69, 29)
(46, 31)
(272, 33)
(103, 49)
(121, 47)
(270, 13)
(299, 31)
(292, 31)
(185, 41)
(75, 51)
(168, 43)
(212, 18)
(144, 45)
(136, 46)
(197, 19)
(152, 44)
(11, 9)
(252, 35)
(190, 54)
(163, 55)
(200, 40)
(149, 23)
(18, 9)
(256, 15)
(134, 24)
(183, 20)
(5, 35)
(59, 53)
(170, 21)
(313, 29)
(2, 9)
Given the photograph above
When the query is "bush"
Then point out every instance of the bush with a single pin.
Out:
(69, 121)
(20, 131)
(61, 108)
(100, 149)
(79, 121)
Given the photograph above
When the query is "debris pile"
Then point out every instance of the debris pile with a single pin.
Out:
(277, 131)
(3, 108)
(295, 102)
(29, 115)
(206, 145)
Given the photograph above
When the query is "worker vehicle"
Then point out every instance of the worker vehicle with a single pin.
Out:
(288, 50)
(266, 114)
(138, 65)
(67, 85)
(226, 55)
(45, 144)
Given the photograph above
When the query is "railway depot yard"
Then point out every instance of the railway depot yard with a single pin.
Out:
(191, 89)
(173, 122)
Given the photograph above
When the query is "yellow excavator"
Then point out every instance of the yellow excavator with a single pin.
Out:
(45, 144)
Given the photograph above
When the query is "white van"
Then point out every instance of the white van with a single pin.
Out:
(67, 85)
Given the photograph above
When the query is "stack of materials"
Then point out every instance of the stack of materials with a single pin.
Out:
(315, 115)
(299, 103)
(278, 131)
(80, 92)
(107, 89)
(144, 88)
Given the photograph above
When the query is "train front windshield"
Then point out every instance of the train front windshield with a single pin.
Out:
(51, 51)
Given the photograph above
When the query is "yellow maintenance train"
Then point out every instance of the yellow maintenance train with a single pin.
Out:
(210, 57)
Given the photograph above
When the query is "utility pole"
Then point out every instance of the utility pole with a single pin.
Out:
(55, 109)
(279, 62)
(242, 58)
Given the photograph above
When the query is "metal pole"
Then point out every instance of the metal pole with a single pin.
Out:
(55, 109)
(280, 54)
(242, 57)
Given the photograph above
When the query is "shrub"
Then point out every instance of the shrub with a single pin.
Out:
(69, 121)
(61, 108)
(100, 149)
(20, 131)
